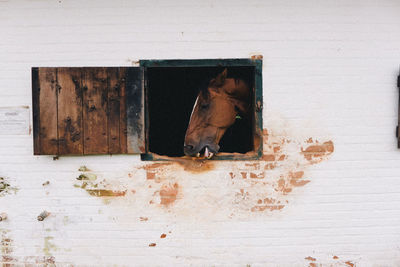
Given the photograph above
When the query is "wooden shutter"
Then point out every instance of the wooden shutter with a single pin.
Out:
(94, 110)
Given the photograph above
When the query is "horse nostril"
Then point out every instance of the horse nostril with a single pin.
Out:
(188, 147)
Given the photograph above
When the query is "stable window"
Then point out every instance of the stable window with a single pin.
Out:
(146, 109)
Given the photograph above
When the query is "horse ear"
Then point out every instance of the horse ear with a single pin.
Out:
(220, 79)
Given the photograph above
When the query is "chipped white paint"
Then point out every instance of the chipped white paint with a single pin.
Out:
(14, 121)
(329, 73)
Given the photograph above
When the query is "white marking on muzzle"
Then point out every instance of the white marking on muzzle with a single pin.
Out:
(194, 106)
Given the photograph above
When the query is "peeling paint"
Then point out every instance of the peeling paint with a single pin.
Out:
(190, 187)
(48, 246)
(6, 248)
(168, 194)
(83, 169)
(316, 153)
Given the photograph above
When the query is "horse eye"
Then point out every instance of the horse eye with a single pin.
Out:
(204, 106)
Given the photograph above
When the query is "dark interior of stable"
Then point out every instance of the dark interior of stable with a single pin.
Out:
(172, 92)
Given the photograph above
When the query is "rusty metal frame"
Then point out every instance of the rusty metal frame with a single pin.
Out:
(256, 153)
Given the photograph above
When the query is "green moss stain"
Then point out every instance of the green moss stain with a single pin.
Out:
(6, 247)
(6, 188)
(83, 169)
(88, 182)
(87, 177)
(105, 193)
(48, 246)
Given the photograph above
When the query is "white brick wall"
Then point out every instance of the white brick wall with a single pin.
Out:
(329, 73)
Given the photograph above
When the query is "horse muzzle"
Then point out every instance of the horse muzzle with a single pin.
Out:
(206, 150)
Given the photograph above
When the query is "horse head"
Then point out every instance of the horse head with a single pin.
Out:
(214, 111)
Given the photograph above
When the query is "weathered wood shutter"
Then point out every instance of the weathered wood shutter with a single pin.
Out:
(92, 110)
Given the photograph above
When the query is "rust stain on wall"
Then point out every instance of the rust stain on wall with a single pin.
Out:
(168, 193)
(196, 165)
(316, 153)
(235, 188)
(333, 262)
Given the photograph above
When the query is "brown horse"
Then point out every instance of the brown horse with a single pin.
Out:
(214, 111)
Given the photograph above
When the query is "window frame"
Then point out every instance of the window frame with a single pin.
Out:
(258, 102)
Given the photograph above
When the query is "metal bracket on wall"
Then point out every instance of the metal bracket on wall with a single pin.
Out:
(398, 115)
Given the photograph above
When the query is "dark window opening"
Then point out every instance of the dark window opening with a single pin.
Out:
(171, 94)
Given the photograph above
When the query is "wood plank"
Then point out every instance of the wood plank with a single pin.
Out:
(36, 111)
(114, 110)
(45, 112)
(135, 110)
(95, 98)
(70, 111)
(122, 120)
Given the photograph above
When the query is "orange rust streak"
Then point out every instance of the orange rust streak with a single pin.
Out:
(268, 157)
(318, 151)
(155, 166)
(105, 193)
(257, 176)
(296, 175)
(150, 175)
(349, 263)
(309, 258)
(152, 244)
(195, 165)
(335, 257)
(270, 166)
(168, 194)
(299, 183)
(254, 165)
(294, 178)
(269, 200)
(267, 207)
(163, 236)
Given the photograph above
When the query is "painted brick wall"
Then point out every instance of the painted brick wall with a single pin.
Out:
(326, 193)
